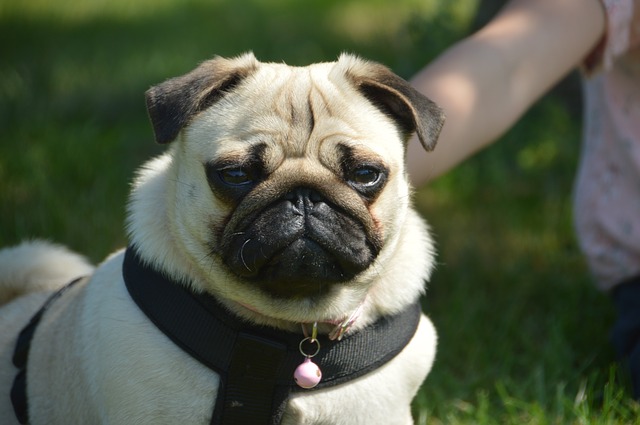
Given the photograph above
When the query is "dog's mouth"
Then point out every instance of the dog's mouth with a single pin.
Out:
(299, 247)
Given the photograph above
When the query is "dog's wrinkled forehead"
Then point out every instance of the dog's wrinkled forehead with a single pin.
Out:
(278, 96)
(290, 108)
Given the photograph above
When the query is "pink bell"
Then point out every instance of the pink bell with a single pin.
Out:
(308, 374)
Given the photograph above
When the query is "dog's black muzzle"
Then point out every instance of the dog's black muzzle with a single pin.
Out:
(300, 245)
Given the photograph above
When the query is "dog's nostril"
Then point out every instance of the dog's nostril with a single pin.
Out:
(303, 198)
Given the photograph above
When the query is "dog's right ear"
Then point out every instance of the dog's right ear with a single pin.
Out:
(172, 104)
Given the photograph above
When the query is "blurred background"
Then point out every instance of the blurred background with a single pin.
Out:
(523, 333)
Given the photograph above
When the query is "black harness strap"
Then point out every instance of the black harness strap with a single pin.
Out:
(21, 355)
(251, 382)
(256, 363)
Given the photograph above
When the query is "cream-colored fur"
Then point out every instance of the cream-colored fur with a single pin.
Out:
(97, 359)
(38, 266)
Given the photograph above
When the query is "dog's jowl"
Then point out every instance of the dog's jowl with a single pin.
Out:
(273, 272)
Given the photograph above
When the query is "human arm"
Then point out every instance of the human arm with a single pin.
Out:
(488, 80)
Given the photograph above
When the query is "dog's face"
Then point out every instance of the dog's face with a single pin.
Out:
(288, 183)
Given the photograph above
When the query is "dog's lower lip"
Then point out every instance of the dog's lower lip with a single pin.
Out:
(294, 290)
(255, 310)
(250, 308)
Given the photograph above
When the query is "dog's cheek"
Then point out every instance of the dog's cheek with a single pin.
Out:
(198, 216)
(389, 210)
(216, 232)
(215, 224)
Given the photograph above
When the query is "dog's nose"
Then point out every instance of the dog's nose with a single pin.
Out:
(303, 199)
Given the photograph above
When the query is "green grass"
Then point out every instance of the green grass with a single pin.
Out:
(523, 332)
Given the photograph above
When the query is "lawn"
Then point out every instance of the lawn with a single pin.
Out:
(523, 332)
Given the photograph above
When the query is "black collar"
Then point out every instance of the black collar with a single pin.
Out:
(256, 363)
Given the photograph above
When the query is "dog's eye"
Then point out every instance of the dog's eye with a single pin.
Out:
(231, 182)
(368, 180)
(236, 176)
(364, 176)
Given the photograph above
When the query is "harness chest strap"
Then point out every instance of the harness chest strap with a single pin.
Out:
(255, 363)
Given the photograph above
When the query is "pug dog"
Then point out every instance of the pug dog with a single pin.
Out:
(281, 211)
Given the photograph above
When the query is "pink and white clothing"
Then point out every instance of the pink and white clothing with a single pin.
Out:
(607, 195)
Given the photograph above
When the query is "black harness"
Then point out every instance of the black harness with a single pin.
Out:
(255, 363)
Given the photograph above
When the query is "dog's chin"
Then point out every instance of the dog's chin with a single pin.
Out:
(301, 270)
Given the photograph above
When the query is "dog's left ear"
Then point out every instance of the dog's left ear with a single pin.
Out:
(172, 104)
(413, 111)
